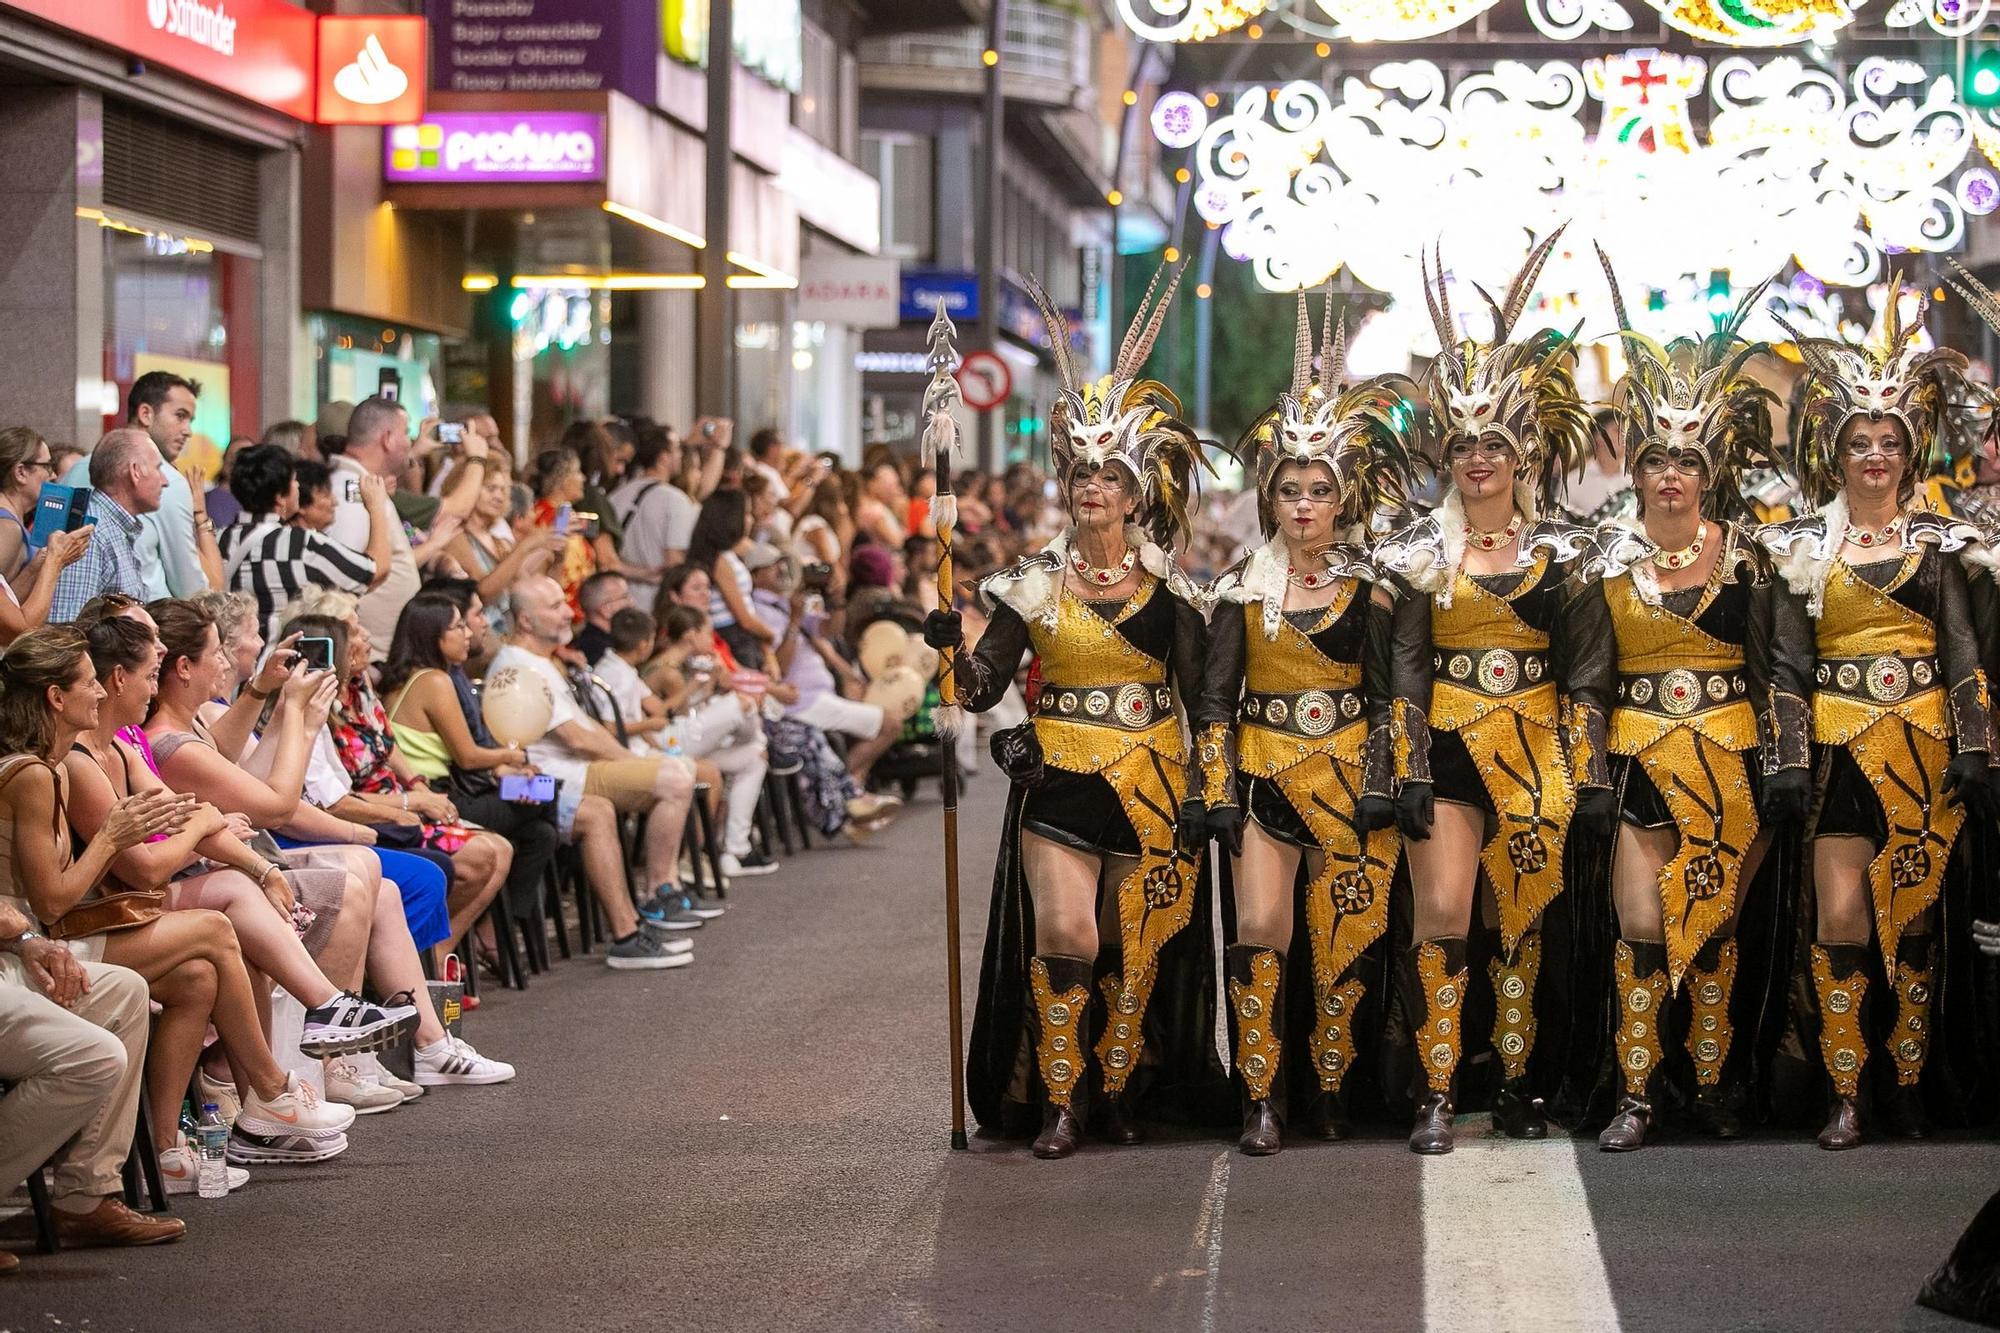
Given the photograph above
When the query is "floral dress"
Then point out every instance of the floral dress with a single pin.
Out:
(360, 728)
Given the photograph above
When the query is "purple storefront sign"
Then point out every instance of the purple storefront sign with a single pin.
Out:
(484, 147)
(545, 46)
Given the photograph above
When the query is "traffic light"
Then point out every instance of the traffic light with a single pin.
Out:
(1982, 72)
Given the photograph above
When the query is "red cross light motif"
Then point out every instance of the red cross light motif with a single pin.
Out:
(1645, 80)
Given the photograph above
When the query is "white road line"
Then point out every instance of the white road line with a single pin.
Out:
(1207, 1242)
(1508, 1239)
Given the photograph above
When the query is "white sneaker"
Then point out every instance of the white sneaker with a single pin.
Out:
(371, 1067)
(739, 867)
(451, 1060)
(299, 1109)
(349, 1085)
(180, 1172)
(227, 1103)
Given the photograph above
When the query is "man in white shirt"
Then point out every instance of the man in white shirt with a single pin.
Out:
(658, 515)
(588, 758)
(170, 548)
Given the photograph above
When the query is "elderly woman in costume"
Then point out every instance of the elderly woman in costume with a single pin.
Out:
(1481, 672)
(1873, 649)
(1299, 657)
(1681, 620)
(1103, 830)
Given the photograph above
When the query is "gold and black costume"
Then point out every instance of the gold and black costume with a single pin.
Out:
(1101, 766)
(1882, 657)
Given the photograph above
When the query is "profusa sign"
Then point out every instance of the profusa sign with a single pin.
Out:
(479, 147)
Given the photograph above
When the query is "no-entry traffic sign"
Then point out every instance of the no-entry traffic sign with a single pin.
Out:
(984, 381)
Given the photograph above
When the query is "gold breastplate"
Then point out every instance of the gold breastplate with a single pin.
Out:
(1672, 673)
(1298, 701)
(1085, 648)
(1488, 656)
(1084, 655)
(1876, 656)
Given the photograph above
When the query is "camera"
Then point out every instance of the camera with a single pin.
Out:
(451, 432)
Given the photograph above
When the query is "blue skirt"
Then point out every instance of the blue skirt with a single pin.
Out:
(421, 882)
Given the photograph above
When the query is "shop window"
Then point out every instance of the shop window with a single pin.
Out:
(902, 164)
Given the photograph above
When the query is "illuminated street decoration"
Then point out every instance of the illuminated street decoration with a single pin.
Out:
(1740, 23)
(1798, 167)
(1178, 119)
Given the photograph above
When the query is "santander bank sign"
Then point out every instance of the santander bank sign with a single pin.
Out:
(204, 25)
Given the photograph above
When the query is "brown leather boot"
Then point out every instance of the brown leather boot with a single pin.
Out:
(1118, 1052)
(1840, 978)
(1434, 977)
(1116, 1123)
(1059, 994)
(1256, 1010)
(1640, 969)
(1326, 1117)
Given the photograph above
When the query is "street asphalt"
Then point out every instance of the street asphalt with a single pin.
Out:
(760, 1141)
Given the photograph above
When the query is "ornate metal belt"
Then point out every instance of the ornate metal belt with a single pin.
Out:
(1306, 713)
(1679, 692)
(1493, 670)
(1131, 707)
(1881, 680)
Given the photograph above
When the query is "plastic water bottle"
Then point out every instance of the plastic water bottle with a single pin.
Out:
(212, 1178)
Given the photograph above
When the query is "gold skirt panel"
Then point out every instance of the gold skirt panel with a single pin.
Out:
(1707, 787)
(1520, 759)
(1905, 765)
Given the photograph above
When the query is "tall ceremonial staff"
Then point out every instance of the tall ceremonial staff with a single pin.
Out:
(939, 439)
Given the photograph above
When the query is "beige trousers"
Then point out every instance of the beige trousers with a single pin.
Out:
(76, 1075)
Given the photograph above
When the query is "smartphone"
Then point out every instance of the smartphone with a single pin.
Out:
(590, 524)
(59, 508)
(316, 653)
(451, 432)
(540, 789)
(562, 521)
(388, 384)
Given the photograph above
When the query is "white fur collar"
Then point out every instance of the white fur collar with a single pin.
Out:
(1033, 587)
(1264, 582)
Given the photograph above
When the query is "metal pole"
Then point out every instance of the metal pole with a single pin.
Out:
(1204, 328)
(715, 331)
(992, 448)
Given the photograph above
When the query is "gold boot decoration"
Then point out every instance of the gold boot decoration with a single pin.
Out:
(1442, 992)
(1709, 1030)
(1841, 990)
(1641, 996)
(1911, 1042)
(1060, 991)
(1332, 1039)
(1255, 974)
(1514, 1004)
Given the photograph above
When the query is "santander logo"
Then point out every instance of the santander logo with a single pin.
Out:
(204, 25)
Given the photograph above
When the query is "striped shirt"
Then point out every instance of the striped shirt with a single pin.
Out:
(275, 562)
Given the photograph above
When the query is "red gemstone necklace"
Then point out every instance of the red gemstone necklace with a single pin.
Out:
(1493, 541)
(1106, 576)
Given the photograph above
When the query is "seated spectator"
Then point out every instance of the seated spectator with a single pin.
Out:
(602, 452)
(824, 681)
(19, 613)
(721, 540)
(602, 596)
(264, 555)
(24, 469)
(434, 638)
(191, 960)
(223, 507)
(823, 533)
(874, 590)
(315, 499)
(127, 478)
(62, 457)
(590, 762)
(631, 638)
(73, 1045)
(882, 512)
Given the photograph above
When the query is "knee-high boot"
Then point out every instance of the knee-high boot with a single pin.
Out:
(1840, 977)
(1435, 977)
(1118, 1052)
(1060, 999)
(1516, 1110)
(1910, 1039)
(1332, 1047)
(1718, 1097)
(1256, 1008)
(1641, 970)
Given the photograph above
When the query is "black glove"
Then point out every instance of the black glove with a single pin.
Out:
(1225, 825)
(1372, 813)
(1597, 811)
(1969, 783)
(1986, 934)
(1416, 811)
(1191, 826)
(944, 629)
(1786, 797)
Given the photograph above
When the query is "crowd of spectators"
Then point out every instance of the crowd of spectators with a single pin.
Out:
(250, 768)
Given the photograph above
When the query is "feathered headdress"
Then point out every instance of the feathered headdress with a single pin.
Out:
(1365, 434)
(1972, 416)
(1522, 392)
(1124, 421)
(1892, 379)
(1692, 397)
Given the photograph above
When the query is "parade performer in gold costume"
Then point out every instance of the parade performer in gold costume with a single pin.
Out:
(1677, 628)
(1102, 824)
(1873, 643)
(1491, 743)
(1298, 659)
